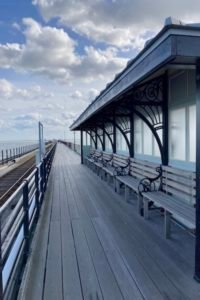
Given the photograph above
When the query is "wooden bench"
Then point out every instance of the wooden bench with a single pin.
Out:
(138, 170)
(118, 163)
(92, 158)
(176, 197)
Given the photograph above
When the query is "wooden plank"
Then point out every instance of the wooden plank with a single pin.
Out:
(53, 284)
(71, 279)
(89, 280)
(106, 278)
(126, 282)
(53, 288)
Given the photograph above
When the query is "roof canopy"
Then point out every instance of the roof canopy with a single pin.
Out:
(176, 44)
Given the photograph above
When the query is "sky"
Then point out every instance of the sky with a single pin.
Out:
(57, 55)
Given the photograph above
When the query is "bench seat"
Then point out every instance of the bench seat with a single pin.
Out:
(184, 212)
(176, 198)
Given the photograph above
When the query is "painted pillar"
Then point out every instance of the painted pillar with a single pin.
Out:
(104, 138)
(197, 241)
(81, 146)
(165, 152)
(132, 135)
(114, 134)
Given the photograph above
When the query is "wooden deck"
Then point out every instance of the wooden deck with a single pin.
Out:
(90, 244)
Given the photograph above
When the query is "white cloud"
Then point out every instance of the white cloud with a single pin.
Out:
(6, 88)
(51, 52)
(122, 22)
(16, 26)
(11, 92)
(76, 95)
(92, 94)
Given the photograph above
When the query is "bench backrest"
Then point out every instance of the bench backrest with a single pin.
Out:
(107, 156)
(119, 160)
(92, 151)
(180, 183)
(142, 168)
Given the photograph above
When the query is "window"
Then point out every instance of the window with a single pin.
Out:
(122, 146)
(144, 140)
(108, 145)
(99, 145)
(182, 117)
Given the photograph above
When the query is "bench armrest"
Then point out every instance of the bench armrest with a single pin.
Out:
(148, 184)
(106, 161)
(122, 170)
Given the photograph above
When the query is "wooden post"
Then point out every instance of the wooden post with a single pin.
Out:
(197, 240)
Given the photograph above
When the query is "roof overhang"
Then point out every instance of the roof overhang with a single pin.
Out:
(174, 44)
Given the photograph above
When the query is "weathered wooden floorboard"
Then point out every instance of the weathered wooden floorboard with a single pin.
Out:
(89, 280)
(71, 279)
(53, 287)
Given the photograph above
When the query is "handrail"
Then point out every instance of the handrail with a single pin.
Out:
(16, 233)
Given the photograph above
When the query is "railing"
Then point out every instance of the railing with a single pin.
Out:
(17, 232)
(11, 154)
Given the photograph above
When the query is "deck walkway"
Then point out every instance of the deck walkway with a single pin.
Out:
(90, 244)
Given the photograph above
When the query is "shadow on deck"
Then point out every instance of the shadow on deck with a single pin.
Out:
(90, 244)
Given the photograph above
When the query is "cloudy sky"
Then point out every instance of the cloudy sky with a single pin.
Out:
(57, 55)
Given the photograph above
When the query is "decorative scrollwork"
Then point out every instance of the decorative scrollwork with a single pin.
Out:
(149, 92)
(122, 170)
(124, 123)
(148, 184)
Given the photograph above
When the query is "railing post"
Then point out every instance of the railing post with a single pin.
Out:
(6, 155)
(37, 193)
(2, 157)
(42, 181)
(26, 220)
(1, 267)
(44, 173)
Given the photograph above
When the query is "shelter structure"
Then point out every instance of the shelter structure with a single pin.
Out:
(151, 110)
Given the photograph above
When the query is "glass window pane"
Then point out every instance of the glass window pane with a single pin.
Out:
(121, 142)
(192, 133)
(138, 135)
(148, 140)
(177, 134)
(108, 145)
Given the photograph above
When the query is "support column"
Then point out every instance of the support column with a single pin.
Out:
(114, 134)
(104, 138)
(96, 138)
(132, 135)
(81, 146)
(165, 149)
(197, 241)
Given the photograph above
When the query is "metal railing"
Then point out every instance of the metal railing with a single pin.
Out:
(19, 226)
(11, 154)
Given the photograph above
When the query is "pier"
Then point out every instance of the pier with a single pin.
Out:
(91, 244)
